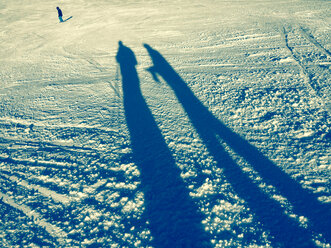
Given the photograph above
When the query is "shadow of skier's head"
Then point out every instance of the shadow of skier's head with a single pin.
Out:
(125, 56)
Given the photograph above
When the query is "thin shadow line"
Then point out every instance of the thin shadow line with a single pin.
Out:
(68, 18)
(174, 218)
(284, 229)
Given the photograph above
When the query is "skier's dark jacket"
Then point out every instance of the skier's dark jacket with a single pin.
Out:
(59, 11)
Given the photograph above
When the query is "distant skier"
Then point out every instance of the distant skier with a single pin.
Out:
(59, 11)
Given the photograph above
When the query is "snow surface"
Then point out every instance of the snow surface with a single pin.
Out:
(225, 144)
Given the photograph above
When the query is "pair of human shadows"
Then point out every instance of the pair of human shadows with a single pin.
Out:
(174, 218)
(285, 230)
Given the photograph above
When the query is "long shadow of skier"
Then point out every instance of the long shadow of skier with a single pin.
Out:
(174, 218)
(67, 19)
(284, 229)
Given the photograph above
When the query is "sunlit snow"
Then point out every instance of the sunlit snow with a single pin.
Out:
(219, 136)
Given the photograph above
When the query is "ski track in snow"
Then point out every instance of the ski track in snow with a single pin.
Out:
(68, 174)
(308, 77)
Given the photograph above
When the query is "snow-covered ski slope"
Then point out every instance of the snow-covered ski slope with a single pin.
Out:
(228, 145)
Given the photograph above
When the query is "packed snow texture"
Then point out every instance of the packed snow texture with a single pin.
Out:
(218, 137)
